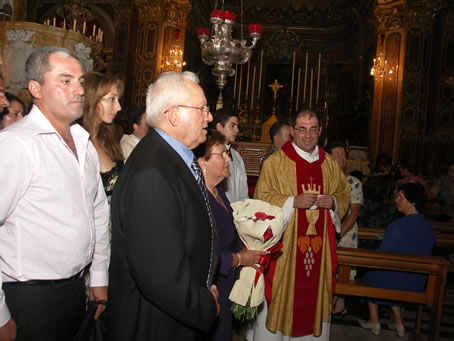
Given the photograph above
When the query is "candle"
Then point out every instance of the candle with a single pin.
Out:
(64, 23)
(48, 22)
(298, 89)
(94, 30)
(318, 77)
(253, 88)
(259, 84)
(305, 78)
(99, 31)
(234, 84)
(54, 22)
(247, 76)
(239, 87)
(84, 27)
(310, 91)
(100, 38)
(293, 75)
(74, 25)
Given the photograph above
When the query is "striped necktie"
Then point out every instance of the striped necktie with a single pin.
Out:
(215, 248)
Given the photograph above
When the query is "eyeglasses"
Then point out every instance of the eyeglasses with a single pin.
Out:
(205, 109)
(304, 131)
(224, 154)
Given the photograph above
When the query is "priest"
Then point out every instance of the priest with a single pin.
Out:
(314, 194)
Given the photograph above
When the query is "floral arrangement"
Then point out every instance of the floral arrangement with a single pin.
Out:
(260, 227)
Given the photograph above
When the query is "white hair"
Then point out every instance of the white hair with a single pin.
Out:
(169, 89)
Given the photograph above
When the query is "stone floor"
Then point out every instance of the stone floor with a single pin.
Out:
(347, 329)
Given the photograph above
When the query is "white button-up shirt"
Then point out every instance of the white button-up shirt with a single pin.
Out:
(54, 214)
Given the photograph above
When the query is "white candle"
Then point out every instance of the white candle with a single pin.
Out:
(253, 88)
(239, 87)
(94, 30)
(100, 38)
(54, 22)
(74, 25)
(305, 78)
(310, 91)
(234, 84)
(259, 84)
(64, 23)
(247, 76)
(293, 76)
(84, 27)
(318, 77)
(298, 89)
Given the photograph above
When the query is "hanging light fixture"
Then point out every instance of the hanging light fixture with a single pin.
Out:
(381, 69)
(220, 49)
(173, 60)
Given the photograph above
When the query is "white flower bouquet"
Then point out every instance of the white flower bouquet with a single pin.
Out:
(260, 227)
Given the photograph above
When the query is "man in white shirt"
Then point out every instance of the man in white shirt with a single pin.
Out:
(225, 120)
(139, 129)
(53, 209)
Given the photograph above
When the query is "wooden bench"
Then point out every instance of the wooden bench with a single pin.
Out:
(440, 226)
(435, 268)
(443, 240)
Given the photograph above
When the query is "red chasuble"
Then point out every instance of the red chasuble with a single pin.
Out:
(311, 228)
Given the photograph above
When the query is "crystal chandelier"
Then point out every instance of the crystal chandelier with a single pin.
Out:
(221, 50)
(173, 61)
(381, 69)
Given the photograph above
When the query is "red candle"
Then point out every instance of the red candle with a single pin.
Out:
(217, 13)
(255, 28)
(229, 16)
(203, 31)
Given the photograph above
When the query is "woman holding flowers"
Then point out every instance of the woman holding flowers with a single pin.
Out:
(214, 161)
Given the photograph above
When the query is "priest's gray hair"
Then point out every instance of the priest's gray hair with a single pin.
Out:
(169, 89)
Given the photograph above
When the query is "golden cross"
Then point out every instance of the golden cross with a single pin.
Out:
(275, 87)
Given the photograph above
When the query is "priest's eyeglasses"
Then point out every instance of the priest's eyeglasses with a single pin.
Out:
(205, 109)
(304, 130)
(224, 154)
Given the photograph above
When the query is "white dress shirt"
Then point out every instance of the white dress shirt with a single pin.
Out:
(237, 187)
(53, 210)
(128, 143)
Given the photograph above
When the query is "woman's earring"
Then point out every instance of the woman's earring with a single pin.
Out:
(204, 171)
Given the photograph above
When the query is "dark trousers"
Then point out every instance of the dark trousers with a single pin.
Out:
(46, 312)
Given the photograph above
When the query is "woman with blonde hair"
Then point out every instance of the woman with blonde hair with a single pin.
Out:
(101, 105)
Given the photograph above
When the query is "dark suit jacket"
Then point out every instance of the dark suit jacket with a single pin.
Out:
(161, 244)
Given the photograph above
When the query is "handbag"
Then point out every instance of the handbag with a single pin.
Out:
(91, 329)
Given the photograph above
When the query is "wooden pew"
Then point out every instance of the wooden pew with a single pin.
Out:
(441, 226)
(443, 240)
(434, 267)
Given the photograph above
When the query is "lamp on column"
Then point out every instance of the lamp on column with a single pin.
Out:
(173, 61)
(381, 69)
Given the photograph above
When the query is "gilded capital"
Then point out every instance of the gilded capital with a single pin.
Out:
(389, 16)
(151, 9)
(123, 10)
(177, 12)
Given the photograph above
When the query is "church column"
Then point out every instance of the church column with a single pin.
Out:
(158, 23)
(405, 108)
(123, 21)
(387, 102)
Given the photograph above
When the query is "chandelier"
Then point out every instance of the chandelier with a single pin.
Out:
(381, 69)
(221, 50)
(173, 60)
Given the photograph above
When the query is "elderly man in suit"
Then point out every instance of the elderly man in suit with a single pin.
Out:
(165, 246)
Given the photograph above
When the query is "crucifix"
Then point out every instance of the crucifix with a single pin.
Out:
(275, 87)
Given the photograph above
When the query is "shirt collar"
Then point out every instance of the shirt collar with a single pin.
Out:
(186, 154)
(309, 157)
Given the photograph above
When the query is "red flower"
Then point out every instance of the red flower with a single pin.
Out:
(268, 234)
